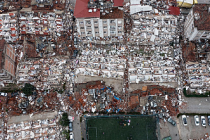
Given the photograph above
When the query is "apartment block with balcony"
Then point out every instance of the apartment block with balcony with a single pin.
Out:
(99, 24)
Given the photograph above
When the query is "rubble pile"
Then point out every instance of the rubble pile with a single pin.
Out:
(36, 129)
(99, 63)
(95, 97)
(43, 73)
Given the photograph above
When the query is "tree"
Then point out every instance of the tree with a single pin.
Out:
(28, 89)
(66, 134)
(64, 121)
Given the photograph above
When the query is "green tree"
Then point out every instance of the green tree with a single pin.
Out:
(28, 89)
(66, 134)
(64, 121)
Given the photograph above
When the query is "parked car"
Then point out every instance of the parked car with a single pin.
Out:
(171, 121)
(184, 119)
(71, 136)
(203, 121)
(196, 120)
(167, 138)
(209, 120)
(70, 126)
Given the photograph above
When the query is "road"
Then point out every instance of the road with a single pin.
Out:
(77, 128)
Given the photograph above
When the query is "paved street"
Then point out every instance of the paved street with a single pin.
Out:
(77, 128)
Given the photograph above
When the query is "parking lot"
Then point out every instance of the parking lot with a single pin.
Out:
(191, 131)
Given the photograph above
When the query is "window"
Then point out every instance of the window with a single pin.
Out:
(112, 32)
(119, 21)
(112, 27)
(105, 27)
(88, 27)
(104, 22)
(81, 22)
(96, 32)
(82, 33)
(104, 32)
(81, 27)
(119, 32)
(112, 21)
(89, 32)
(95, 22)
(119, 27)
(96, 27)
(88, 22)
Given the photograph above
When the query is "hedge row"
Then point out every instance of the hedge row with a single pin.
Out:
(195, 95)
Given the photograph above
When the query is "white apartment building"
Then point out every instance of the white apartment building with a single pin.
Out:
(99, 19)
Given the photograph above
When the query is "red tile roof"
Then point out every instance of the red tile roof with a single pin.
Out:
(81, 10)
(118, 2)
(174, 10)
(203, 22)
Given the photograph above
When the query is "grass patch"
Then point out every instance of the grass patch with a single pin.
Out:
(117, 128)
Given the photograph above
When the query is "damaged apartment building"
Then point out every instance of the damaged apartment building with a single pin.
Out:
(153, 23)
(100, 21)
(196, 25)
(197, 30)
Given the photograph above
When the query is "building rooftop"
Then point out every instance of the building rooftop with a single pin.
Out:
(118, 2)
(114, 14)
(81, 10)
(202, 16)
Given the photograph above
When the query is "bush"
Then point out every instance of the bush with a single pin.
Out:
(195, 95)
(28, 89)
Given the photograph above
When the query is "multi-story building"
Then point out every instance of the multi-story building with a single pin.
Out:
(7, 63)
(99, 19)
(197, 23)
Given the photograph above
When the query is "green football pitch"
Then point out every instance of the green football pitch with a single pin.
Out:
(122, 128)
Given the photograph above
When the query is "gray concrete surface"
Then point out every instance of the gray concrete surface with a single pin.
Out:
(196, 105)
(77, 128)
(167, 129)
(191, 131)
(40, 116)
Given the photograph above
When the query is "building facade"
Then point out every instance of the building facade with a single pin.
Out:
(97, 20)
(7, 63)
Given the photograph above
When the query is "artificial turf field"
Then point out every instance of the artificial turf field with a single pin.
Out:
(113, 128)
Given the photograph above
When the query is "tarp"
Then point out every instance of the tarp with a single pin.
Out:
(117, 98)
